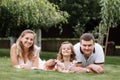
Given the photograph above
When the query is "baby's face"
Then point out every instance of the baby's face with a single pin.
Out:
(50, 62)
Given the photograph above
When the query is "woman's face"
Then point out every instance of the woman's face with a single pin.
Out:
(66, 49)
(27, 40)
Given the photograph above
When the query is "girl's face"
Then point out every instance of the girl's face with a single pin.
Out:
(66, 49)
(27, 40)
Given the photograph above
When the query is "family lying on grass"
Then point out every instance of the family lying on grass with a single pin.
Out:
(84, 57)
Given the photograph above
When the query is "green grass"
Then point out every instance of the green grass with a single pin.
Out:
(7, 72)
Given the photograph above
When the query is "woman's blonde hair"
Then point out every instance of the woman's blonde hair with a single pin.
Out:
(60, 56)
(20, 45)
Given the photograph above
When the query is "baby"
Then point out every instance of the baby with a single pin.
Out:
(48, 65)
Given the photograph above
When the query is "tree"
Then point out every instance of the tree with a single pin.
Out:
(17, 15)
(110, 15)
(81, 12)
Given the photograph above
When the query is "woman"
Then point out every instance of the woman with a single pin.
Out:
(24, 53)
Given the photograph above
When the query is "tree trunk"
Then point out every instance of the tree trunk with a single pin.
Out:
(38, 32)
(12, 40)
(106, 43)
(101, 36)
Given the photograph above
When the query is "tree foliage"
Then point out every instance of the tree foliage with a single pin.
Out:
(110, 15)
(81, 12)
(17, 15)
(110, 12)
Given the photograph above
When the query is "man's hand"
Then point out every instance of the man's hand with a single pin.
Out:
(96, 68)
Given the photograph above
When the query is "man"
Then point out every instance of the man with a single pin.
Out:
(89, 55)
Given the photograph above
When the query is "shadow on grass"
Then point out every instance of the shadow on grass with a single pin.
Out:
(4, 52)
(43, 55)
(52, 55)
(112, 60)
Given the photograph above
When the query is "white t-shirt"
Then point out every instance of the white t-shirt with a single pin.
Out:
(96, 57)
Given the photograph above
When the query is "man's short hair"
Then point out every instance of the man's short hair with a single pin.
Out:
(87, 37)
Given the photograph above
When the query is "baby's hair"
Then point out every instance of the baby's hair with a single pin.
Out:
(51, 62)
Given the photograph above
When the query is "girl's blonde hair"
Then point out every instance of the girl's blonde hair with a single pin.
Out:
(60, 56)
(20, 45)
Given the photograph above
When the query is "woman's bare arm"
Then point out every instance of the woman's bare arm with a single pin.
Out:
(13, 55)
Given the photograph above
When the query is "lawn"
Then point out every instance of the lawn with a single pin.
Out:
(7, 72)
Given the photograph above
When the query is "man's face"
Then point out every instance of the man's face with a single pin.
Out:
(87, 47)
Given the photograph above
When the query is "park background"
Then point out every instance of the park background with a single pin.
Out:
(61, 19)
(55, 21)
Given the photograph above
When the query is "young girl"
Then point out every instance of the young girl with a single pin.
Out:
(66, 57)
